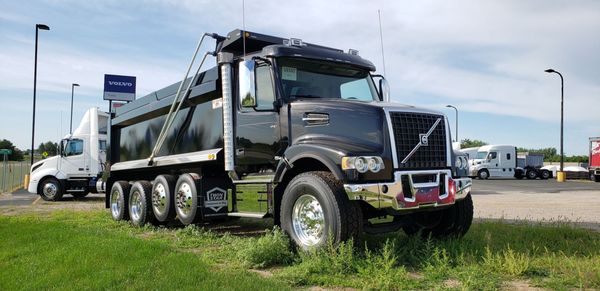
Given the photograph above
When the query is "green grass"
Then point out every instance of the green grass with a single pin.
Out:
(75, 250)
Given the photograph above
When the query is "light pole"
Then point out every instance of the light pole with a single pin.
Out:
(72, 91)
(37, 28)
(456, 109)
(562, 98)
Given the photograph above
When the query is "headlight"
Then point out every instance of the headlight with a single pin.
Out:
(363, 164)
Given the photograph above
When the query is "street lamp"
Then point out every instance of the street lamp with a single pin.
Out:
(562, 97)
(37, 28)
(72, 91)
(456, 109)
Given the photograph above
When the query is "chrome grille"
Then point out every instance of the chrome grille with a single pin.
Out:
(408, 127)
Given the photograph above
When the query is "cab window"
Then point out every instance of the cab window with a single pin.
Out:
(74, 147)
(493, 155)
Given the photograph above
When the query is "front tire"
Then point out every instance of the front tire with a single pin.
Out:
(119, 200)
(140, 203)
(545, 174)
(50, 189)
(314, 208)
(453, 222)
(483, 174)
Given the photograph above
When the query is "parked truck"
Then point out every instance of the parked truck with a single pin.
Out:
(503, 161)
(594, 165)
(79, 165)
(294, 131)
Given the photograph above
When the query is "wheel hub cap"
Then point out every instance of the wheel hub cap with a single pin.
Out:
(115, 206)
(136, 205)
(159, 199)
(308, 220)
(50, 190)
(184, 199)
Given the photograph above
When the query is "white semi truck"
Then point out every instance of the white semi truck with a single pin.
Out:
(79, 165)
(502, 161)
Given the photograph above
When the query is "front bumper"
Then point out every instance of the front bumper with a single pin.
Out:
(412, 190)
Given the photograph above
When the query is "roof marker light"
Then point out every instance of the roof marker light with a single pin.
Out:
(353, 52)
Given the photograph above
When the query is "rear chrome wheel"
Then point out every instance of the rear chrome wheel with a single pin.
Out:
(119, 199)
(186, 199)
(162, 197)
(140, 201)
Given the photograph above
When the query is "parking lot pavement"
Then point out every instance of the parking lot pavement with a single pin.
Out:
(538, 200)
(22, 201)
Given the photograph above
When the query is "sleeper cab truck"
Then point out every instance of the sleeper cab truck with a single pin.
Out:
(77, 169)
(503, 161)
(293, 131)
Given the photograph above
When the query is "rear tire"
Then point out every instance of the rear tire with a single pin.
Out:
(595, 178)
(163, 192)
(119, 200)
(483, 174)
(186, 199)
(50, 189)
(544, 174)
(314, 208)
(140, 203)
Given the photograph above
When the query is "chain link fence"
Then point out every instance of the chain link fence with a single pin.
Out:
(12, 175)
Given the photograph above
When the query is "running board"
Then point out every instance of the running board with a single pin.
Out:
(248, 214)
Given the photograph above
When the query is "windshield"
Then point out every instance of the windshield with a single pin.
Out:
(481, 155)
(303, 78)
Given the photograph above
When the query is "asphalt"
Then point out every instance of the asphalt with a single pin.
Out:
(497, 186)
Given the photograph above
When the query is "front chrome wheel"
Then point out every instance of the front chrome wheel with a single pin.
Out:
(308, 220)
(136, 206)
(50, 189)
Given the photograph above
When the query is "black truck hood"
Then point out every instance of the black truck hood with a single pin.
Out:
(353, 126)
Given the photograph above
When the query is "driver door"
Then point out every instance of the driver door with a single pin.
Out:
(74, 161)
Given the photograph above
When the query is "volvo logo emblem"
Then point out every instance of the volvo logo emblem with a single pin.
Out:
(423, 140)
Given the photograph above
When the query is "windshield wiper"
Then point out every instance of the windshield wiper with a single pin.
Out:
(305, 95)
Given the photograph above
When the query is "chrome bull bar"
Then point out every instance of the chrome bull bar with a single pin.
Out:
(412, 190)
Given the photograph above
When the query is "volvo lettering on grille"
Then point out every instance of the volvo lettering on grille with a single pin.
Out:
(423, 140)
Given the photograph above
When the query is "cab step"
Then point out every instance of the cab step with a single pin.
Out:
(248, 214)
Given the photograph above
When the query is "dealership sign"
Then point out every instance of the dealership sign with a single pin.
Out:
(120, 88)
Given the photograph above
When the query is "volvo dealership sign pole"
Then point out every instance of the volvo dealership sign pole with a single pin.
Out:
(118, 88)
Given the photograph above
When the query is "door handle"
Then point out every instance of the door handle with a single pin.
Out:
(315, 119)
(239, 152)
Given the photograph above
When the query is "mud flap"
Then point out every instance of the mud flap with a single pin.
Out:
(213, 192)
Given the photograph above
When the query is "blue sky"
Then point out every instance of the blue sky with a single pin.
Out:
(485, 57)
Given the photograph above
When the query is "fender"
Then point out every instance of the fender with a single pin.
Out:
(39, 174)
(331, 158)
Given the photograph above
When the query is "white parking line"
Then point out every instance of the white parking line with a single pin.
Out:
(36, 201)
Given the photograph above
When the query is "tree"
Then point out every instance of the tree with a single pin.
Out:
(17, 154)
(467, 143)
(49, 147)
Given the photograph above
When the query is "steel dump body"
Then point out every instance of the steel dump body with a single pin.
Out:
(198, 126)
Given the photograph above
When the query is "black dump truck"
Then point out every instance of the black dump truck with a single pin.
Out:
(287, 130)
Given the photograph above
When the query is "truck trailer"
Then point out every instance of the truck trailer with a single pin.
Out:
(78, 168)
(594, 165)
(288, 130)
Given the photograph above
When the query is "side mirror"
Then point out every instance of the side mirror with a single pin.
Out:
(60, 148)
(383, 88)
(247, 87)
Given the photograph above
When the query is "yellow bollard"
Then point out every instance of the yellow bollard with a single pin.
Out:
(561, 176)
(26, 182)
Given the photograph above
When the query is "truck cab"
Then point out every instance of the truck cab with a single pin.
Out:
(79, 163)
(494, 161)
